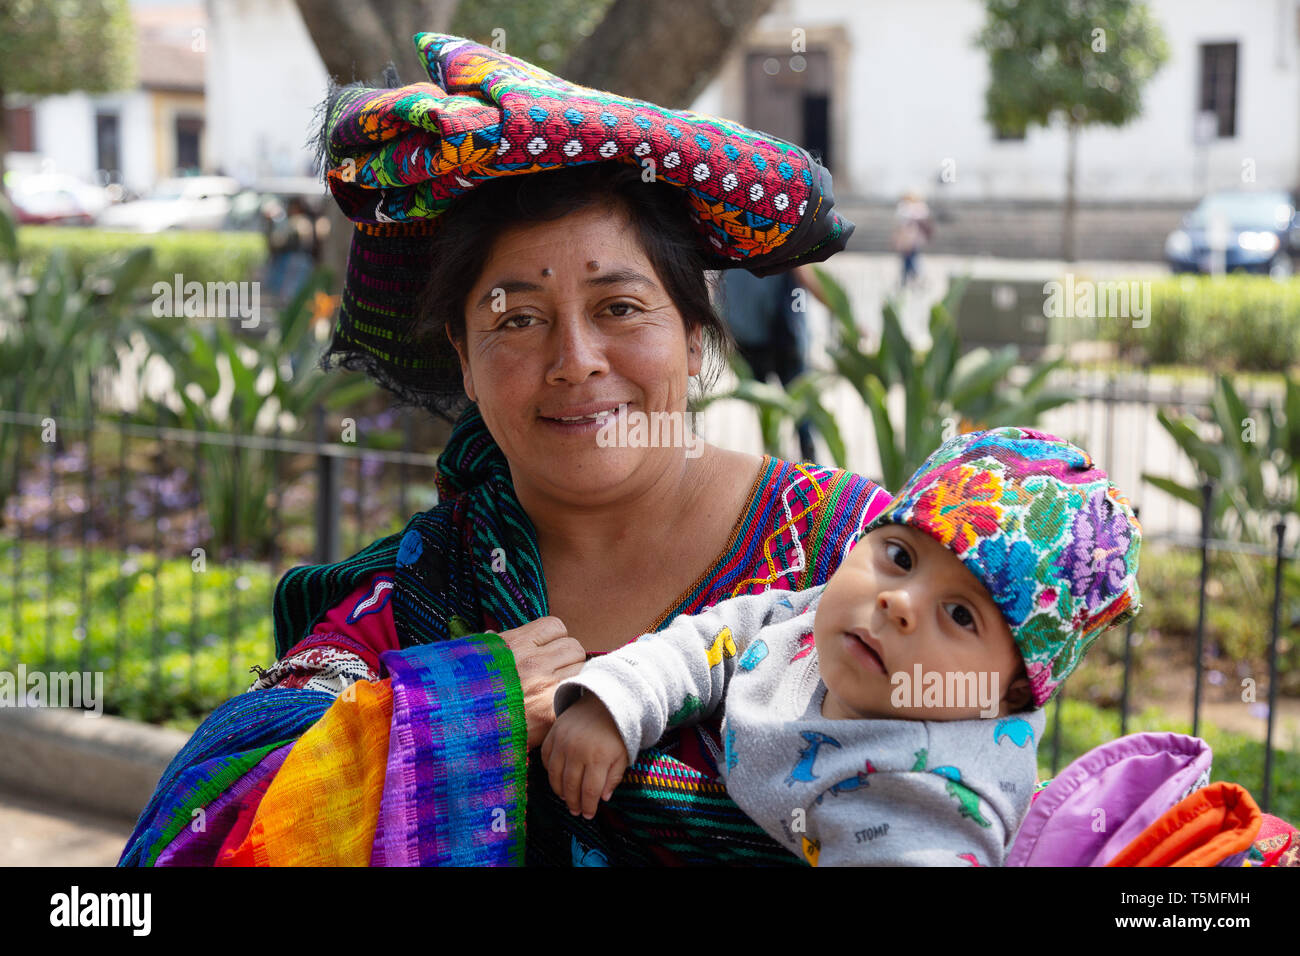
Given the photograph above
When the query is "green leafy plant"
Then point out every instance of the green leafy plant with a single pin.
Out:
(1247, 453)
(799, 401)
(199, 256)
(59, 331)
(942, 391)
(1233, 322)
(275, 383)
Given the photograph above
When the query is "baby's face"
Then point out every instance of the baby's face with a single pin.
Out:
(901, 599)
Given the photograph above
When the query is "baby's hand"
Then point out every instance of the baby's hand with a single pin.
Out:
(584, 755)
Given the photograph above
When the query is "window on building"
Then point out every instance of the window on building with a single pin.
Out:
(18, 130)
(1219, 85)
(817, 126)
(108, 142)
(789, 95)
(189, 130)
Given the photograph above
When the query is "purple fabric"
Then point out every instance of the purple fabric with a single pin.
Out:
(396, 829)
(1132, 781)
(453, 793)
(200, 849)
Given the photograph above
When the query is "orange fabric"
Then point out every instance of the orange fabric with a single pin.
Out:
(323, 805)
(1207, 826)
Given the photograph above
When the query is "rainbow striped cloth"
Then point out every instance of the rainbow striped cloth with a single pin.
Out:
(428, 766)
(424, 768)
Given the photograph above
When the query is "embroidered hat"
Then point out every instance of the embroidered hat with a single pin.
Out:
(1043, 528)
(395, 159)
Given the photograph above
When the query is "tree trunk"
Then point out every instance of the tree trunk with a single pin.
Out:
(1071, 170)
(356, 39)
(664, 51)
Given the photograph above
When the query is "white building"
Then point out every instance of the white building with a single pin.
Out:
(264, 80)
(893, 92)
(890, 91)
(133, 137)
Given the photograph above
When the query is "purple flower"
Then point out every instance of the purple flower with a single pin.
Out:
(1094, 559)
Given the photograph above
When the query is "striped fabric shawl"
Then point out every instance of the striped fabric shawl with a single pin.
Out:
(428, 766)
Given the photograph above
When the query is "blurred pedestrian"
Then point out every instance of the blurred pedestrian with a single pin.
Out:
(769, 330)
(291, 239)
(913, 228)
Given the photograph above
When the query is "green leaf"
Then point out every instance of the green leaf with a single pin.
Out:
(1183, 493)
(1206, 461)
(976, 376)
(891, 464)
(894, 344)
(942, 357)
(8, 236)
(1292, 441)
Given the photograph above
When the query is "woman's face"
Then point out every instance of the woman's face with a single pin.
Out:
(567, 322)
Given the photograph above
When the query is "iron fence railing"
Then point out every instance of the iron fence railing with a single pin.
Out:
(154, 518)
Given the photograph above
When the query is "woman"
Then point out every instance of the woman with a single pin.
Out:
(557, 307)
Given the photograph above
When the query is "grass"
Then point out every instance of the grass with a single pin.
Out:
(1237, 758)
(212, 626)
(1238, 624)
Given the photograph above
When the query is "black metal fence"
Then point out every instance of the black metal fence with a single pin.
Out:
(103, 508)
(61, 509)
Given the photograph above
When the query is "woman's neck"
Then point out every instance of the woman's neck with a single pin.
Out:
(637, 518)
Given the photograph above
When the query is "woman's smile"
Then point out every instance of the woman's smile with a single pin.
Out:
(583, 418)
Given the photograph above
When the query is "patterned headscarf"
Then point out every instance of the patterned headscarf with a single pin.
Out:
(1042, 528)
(396, 159)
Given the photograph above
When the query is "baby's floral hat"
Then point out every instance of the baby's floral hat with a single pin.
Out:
(1043, 528)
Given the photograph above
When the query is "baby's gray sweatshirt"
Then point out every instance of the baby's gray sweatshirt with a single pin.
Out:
(878, 792)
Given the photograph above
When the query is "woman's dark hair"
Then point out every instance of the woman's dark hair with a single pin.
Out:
(660, 218)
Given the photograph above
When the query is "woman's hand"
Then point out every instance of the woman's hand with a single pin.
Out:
(584, 755)
(544, 656)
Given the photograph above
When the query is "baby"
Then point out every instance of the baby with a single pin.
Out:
(852, 730)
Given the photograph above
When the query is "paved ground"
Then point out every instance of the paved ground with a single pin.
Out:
(35, 833)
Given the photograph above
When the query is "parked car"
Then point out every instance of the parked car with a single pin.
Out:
(54, 198)
(1254, 231)
(249, 209)
(189, 202)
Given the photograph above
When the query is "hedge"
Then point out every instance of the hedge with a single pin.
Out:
(1234, 322)
(198, 256)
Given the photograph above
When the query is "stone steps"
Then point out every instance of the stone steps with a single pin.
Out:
(1024, 230)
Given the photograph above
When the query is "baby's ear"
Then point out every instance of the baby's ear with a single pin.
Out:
(1019, 695)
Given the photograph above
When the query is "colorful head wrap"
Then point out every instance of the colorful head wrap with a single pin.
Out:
(396, 159)
(1042, 528)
